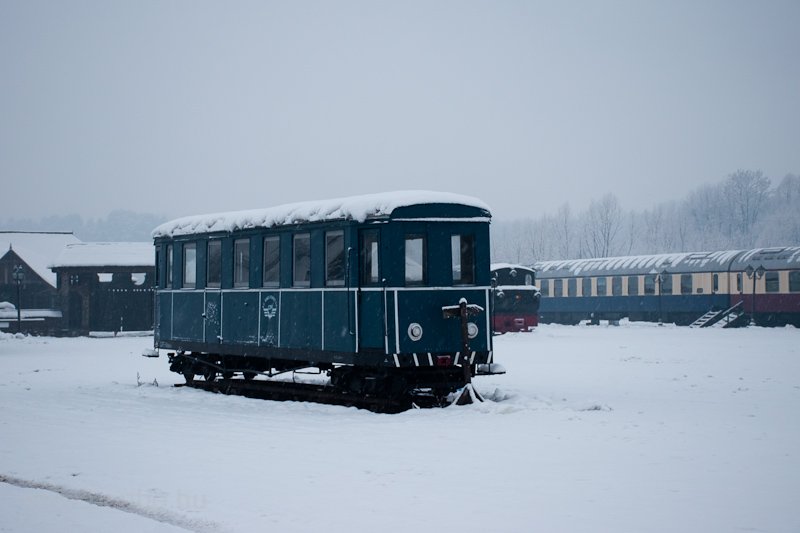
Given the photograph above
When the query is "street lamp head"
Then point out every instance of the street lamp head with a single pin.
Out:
(760, 271)
(749, 271)
(18, 274)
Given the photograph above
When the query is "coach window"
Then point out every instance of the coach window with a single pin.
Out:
(601, 286)
(572, 287)
(558, 287)
(169, 267)
(545, 288)
(771, 282)
(189, 265)
(241, 263)
(272, 262)
(666, 284)
(463, 259)
(334, 258)
(714, 283)
(794, 281)
(587, 286)
(214, 264)
(415, 260)
(301, 260)
(739, 282)
(370, 275)
(633, 285)
(686, 284)
(616, 286)
(649, 285)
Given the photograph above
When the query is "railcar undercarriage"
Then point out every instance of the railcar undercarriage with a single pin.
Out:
(384, 390)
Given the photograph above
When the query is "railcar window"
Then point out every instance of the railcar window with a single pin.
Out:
(633, 285)
(666, 284)
(189, 265)
(415, 260)
(772, 282)
(370, 274)
(545, 287)
(528, 279)
(572, 287)
(214, 264)
(241, 263)
(714, 282)
(558, 287)
(649, 284)
(739, 282)
(686, 284)
(616, 286)
(794, 281)
(587, 286)
(463, 259)
(334, 258)
(169, 266)
(301, 260)
(272, 262)
(601, 286)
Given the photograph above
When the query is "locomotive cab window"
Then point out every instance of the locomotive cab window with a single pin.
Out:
(334, 258)
(241, 263)
(415, 260)
(463, 263)
(272, 262)
(189, 265)
(214, 264)
(301, 260)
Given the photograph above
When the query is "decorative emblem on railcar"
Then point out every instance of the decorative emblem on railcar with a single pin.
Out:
(270, 307)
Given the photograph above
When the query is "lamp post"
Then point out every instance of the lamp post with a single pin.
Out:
(754, 274)
(660, 277)
(18, 275)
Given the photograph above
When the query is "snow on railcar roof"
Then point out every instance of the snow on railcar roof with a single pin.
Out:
(357, 208)
(106, 254)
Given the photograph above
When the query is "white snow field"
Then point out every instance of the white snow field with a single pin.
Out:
(636, 428)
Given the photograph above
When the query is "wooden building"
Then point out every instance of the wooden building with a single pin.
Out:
(106, 286)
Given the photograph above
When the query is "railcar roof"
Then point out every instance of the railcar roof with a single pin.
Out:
(359, 208)
(106, 254)
(721, 261)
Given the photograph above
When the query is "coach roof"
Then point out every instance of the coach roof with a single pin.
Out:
(359, 208)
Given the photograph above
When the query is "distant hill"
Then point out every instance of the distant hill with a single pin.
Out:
(118, 226)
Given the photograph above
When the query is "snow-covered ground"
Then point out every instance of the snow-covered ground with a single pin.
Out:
(621, 429)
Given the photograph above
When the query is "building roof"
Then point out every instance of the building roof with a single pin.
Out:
(357, 208)
(106, 254)
(37, 248)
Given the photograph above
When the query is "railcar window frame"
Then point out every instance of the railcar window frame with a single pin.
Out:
(666, 284)
(586, 286)
(462, 251)
(633, 285)
(241, 263)
(301, 259)
(168, 259)
(649, 284)
(558, 287)
(271, 258)
(189, 265)
(334, 258)
(772, 282)
(545, 287)
(687, 285)
(794, 281)
(616, 286)
(214, 264)
(415, 255)
(602, 285)
(369, 263)
(572, 287)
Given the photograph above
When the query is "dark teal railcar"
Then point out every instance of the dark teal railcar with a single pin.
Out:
(353, 286)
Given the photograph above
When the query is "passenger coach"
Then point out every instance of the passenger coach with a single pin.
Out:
(349, 286)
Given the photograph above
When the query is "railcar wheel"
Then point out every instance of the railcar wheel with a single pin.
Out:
(249, 375)
(210, 374)
(227, 374)
(188, 375)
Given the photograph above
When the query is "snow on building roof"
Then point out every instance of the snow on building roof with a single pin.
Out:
(357, 208)
(106, 254)
(37, 249)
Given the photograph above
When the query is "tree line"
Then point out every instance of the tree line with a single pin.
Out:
(743, 211)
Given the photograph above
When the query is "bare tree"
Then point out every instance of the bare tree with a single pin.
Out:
(601, 226)
(745, 192)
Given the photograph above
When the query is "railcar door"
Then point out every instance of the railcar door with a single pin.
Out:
(371, 292)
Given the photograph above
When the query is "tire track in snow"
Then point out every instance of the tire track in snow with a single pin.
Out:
(103, 500)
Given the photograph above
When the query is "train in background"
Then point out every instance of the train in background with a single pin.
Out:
(722, 288)
(362, 288)
(515, 298)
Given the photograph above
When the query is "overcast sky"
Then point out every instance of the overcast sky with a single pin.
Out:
(184, 107)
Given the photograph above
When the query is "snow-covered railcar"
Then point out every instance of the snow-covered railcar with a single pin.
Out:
(515, 298)
(730, 288)
(354, 286)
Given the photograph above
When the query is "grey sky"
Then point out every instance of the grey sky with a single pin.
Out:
(182, 107)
